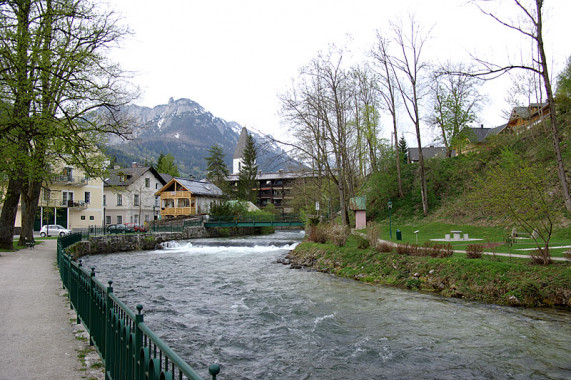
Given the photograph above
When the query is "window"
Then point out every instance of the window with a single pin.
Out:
(147, 182)
(47, 194)
(105, 200)
(68, 172)
(136, 219)
(136, 200)
(119, 200)
(156, 186)
(91, 217)
(87, 197)
(82, 217)
(157, 201)
(108, 219)
(146, 217)
(119, 219)
(67, 198)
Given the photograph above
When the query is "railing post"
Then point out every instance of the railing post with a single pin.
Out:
(92, 306)
(138, 341)
(108, 331)
(214, 370)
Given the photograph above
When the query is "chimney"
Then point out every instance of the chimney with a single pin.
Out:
(482, 126)
(134, 164)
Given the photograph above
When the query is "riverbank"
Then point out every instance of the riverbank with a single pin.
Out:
(491, 279)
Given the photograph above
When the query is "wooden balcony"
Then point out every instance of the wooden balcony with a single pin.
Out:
(176, 211)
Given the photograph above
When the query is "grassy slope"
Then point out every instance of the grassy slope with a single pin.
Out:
(504, 281)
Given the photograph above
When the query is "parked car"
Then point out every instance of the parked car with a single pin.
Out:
(136, 227)
(119, 229)
(54, 230)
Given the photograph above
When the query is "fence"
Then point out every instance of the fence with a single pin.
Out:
(128, 347)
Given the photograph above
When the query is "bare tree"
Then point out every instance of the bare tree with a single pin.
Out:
(456, 101)
(388, 91)
(532, 27)
(319, 111)
(411, 86)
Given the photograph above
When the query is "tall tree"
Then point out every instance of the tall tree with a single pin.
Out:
(248, 171)
(321, 113)
(166, 165)
(411, 85)
(532, 27)
(216, 170)
(388, 90)
(456, 101)
(54, 74)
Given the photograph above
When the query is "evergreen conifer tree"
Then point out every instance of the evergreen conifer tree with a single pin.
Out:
(403, 150)
(248, 170)
(216, 170)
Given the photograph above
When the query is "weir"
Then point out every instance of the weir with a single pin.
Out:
(128, 348)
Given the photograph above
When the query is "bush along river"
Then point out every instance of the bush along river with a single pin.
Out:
(229, 301)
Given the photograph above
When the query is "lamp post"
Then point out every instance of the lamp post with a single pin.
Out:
(390, 205)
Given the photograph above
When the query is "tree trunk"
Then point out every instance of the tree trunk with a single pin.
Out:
(8, 215)
(553, 115)
(401, 193)
(30, 197)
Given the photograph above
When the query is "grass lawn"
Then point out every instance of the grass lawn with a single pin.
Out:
(435, 230)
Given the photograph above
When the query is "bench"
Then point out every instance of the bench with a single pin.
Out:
(30, 243)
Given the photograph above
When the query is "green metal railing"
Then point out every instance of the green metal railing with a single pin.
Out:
(255, 221)
(128, 347)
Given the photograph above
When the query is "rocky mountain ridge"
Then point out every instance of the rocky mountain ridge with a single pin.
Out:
(185, 129)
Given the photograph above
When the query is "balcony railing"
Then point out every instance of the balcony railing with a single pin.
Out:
(61, 203)
(70, 180)
(176, 211)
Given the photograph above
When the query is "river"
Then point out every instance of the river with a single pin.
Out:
(228, 301)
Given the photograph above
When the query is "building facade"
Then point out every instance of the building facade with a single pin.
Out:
(129, 195)
(180, 197)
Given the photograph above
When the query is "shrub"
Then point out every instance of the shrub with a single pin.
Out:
(362, 243)
(338, 234)
(474, 251)
(373, 234)
(541, 257)
(318, 233)
(384, 247)
(408, 249)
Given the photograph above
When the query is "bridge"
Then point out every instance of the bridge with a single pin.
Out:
(255, 221)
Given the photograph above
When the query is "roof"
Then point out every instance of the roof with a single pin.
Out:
(130, 175)
(166, 177)
(202, 187)
(241, 145)
(282, 174)
(427, 152)
(481, 134)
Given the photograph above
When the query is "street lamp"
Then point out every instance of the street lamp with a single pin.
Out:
(390, 204)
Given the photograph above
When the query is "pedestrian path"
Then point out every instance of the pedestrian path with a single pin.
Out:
(36, 337)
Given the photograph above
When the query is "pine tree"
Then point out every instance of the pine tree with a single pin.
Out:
(248, 170)
(166, 165)
(216, 170)
(403, 150)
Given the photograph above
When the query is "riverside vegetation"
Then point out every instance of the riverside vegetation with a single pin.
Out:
(435, 268)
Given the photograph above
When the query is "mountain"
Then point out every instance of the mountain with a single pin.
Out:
(186, 130)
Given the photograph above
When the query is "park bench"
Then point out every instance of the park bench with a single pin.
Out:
(30, 243)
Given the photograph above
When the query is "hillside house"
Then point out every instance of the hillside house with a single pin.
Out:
(527, 117)
(428, 152)
(187, 197)
(129, 195)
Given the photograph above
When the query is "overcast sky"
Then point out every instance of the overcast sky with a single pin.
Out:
(235, 56)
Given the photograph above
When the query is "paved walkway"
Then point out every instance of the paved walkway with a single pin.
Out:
(36, 337)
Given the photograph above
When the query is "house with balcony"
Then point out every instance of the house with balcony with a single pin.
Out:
(129, 195)
(182, 196)
(71, 199)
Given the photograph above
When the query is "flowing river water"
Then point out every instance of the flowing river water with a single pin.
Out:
(228, 301)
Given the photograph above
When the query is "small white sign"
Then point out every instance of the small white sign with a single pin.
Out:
(316, 206)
